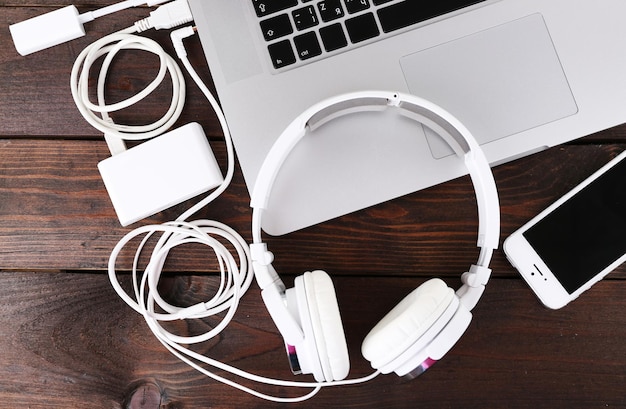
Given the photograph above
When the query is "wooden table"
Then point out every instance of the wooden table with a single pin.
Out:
(68, 341)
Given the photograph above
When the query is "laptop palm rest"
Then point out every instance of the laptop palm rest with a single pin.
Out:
(498, 82)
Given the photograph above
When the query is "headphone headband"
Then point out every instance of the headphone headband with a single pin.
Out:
(423, 111)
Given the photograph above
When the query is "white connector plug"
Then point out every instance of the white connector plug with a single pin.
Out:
(177, 37)
(167, 16)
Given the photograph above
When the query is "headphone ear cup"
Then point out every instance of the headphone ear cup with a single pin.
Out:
(325, 322)
(403, 337)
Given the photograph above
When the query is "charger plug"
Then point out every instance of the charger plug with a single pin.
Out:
(160, 173)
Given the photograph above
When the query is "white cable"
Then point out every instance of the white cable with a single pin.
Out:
(166, 16)
(236, 275)
(98, 114)
(114, 8)
(177, 37)
(237, 282)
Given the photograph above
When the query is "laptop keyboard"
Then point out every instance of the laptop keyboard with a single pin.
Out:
(301, 31)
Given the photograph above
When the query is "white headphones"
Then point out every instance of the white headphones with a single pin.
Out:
(426, 323)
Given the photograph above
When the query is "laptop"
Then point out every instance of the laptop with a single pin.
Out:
(522, 75)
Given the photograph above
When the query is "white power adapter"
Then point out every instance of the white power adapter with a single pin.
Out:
(160, 173)
(47, 30)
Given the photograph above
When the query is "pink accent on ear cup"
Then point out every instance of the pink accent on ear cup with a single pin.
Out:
(407, 322)
(420, 369)
(292, 355)
(327, 327)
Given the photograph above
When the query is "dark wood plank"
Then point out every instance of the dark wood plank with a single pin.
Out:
(69, 342)
(54, 203)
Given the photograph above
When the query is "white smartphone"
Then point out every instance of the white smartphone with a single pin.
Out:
(576, 241)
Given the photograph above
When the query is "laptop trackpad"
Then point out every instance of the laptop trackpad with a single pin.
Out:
(498, 82)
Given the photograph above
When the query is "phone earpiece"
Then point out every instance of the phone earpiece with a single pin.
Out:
(323, 351)
(418, 331)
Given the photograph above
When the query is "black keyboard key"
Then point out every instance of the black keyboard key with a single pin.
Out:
(330, 10)
(354, 6)
(282, 54)
(267, 7)
(409, 12)
(379, 2)
(307, 45)
(305, 18)
(333, 37)
(362, 28)
(276, 27)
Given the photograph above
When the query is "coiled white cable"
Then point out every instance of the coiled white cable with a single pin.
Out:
(236, 275)
(97, 114)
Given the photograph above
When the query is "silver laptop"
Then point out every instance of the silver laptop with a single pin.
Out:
(522, 75)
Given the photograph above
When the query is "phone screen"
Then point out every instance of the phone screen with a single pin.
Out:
(587, 233)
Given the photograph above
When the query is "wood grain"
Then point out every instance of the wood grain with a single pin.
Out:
(69, 342)
(54, 202)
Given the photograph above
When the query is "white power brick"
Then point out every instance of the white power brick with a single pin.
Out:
(160, 173)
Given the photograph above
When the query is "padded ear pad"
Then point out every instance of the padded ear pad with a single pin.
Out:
(407, 322)
(326, 324)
